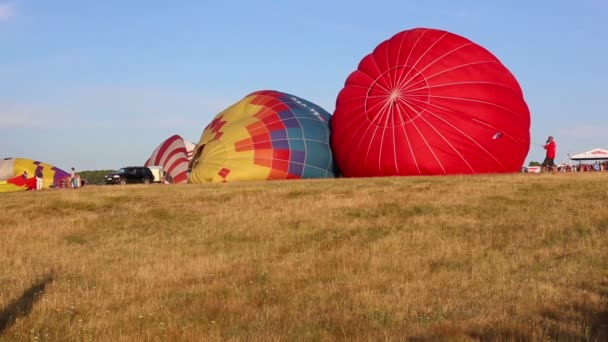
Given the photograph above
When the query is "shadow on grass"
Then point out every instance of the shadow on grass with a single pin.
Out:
(492, 334)
(595, 321)
(555, 326)
(599, 327)
(23, 305)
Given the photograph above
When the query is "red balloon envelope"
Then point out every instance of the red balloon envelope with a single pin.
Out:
(429, 102)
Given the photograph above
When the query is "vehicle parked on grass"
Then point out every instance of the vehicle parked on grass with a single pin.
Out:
(130, 174)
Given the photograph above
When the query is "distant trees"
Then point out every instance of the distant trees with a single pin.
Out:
(94, 177)
(534, 163)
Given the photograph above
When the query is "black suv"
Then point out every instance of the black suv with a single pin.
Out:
(130, 174)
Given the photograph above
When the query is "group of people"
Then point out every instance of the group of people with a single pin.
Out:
(39, 177)
(548, 164)
(597, 166)
(74, 179)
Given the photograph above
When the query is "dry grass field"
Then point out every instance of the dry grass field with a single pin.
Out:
(497, 257)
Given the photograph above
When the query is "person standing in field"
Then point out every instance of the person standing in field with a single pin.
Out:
(167, 179)
(73, 178)
(550, 147)
(39, 178)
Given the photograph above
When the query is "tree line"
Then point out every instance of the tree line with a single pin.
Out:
(95, 176)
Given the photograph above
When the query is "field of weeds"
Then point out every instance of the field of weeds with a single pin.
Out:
(495, 257)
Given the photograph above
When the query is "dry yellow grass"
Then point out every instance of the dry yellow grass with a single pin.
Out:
(497, 257)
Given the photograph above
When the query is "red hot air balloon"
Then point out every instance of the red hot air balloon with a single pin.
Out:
(429, 102)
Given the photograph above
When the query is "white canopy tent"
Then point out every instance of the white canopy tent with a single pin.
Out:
(595, 154)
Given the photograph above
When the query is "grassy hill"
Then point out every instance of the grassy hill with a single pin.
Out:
(505, 257)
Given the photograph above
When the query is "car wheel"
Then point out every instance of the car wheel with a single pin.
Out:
(123, 181)
(146, 181)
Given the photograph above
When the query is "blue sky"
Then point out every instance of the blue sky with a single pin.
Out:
(99, 84)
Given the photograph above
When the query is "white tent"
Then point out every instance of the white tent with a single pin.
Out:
(595, 154)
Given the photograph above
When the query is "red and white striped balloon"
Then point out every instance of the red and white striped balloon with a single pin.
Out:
(173, 155)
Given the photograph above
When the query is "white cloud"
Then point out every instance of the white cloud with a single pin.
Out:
(30, 116)
(7, 11)
(105, 107)
(15, 116)
(585, 131)
(10, 120)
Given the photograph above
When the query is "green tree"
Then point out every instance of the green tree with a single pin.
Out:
(95, 176)
(534, 163)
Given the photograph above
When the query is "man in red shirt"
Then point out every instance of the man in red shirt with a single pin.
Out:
(551, 147)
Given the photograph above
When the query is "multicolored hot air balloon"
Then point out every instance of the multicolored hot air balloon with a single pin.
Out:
(12, 168)
(267, 135)
(173, 155)
(18, 183)
(429, 102)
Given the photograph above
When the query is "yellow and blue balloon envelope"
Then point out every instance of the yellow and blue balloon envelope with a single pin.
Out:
(268, 135)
